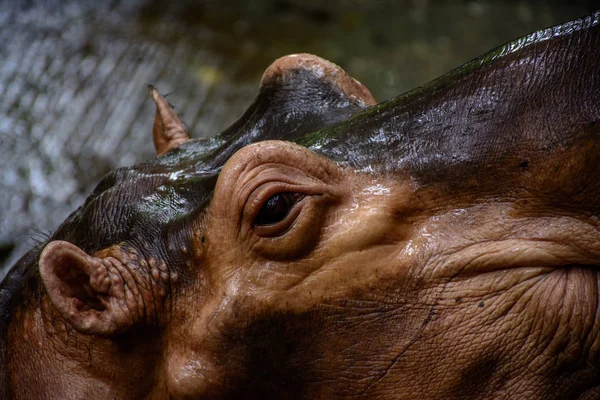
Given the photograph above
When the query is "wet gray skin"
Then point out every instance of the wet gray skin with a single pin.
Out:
(443, 244)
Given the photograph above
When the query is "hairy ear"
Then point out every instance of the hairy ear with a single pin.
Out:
(86, 291)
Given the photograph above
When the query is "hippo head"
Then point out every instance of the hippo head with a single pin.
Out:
(443, 244)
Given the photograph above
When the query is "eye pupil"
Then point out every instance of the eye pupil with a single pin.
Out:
(274, 210)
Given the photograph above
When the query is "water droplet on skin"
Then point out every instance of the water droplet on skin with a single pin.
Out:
(377, 190)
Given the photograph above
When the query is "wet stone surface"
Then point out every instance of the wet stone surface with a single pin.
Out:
(74, 76)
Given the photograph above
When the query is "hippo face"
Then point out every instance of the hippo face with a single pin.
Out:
(443, 244)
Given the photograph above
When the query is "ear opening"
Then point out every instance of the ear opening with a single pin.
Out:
(79, 287)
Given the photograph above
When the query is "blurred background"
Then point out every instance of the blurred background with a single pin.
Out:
(74, 75)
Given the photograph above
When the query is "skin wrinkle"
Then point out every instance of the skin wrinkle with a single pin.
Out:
(580, 258)
(526, 335)
(381, 315)
(122, 265)
(129, 296)
(169, 296)
(533, 327)
(586, 329)
(596, 328)
(395, 360)
(248, 173)
(553, 328)
(568, 307)
(588, 332)
(153, 296)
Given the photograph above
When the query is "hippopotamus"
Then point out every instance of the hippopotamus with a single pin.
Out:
(442, 244)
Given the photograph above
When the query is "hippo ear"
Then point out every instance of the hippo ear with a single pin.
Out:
(83, 289)
(298, 94)
(168, 130)
(313, 78)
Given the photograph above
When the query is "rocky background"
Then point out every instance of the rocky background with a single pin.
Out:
(74, 75)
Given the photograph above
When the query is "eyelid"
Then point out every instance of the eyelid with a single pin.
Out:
(266, 181)
(287, 179)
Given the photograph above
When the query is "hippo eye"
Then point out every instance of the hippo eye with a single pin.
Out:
(276, 208)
